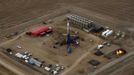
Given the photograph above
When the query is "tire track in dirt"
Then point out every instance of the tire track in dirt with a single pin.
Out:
(76, 63)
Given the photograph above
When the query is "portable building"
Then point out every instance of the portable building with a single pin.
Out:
(35, 62)
(37, 31)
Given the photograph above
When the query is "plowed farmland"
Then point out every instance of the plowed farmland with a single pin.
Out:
(117, 12)
(14, 12)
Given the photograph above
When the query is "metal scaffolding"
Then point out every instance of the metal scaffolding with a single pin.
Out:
(84, 23)
(80, 21)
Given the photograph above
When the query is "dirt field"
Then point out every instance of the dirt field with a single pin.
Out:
(128, 67)
(5, 71)
(115, 13)
(123, 67)
(84, 68)
(42, 47)
(15, 12)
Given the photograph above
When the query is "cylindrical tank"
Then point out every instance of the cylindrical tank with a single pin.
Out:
(109, 33)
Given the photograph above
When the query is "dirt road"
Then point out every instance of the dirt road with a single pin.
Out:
(7, 64)
(12, 65)
(6, 71)
(81, 58)
(122, 71)
(77, 62)
(116, 65)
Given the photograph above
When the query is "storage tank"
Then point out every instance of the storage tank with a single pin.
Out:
(109, 33)
(105, 32)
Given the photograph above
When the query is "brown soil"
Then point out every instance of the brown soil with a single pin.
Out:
(15, 12)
